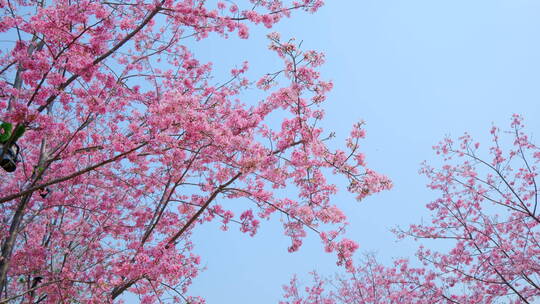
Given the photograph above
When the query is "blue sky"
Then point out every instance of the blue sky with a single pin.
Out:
(415, 71)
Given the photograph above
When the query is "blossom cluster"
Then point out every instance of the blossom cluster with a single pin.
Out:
(130, 145)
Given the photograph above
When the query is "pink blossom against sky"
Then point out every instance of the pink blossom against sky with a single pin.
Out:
(401, 74)
(415, 71)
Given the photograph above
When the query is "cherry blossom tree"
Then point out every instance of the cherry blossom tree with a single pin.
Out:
(370, 282)
(125, 144)
(487, 211)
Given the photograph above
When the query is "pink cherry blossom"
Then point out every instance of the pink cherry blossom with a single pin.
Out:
(130, 145)
(486, 213)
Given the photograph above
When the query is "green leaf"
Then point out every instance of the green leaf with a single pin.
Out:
(5, 131)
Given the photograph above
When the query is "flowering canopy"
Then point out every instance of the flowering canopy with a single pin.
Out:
(129, 145)
(488, 210)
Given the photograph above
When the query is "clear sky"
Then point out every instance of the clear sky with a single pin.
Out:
(415, 71)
